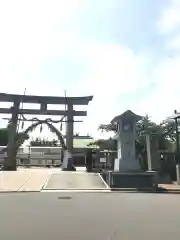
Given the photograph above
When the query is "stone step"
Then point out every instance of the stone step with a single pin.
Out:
(75, 180)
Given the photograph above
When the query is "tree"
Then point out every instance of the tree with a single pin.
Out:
(53, 130)
(104, 144)
(163, 134)
(4, 136)
(111, 127)
(20, 137)
(19, 140)
(44, 143)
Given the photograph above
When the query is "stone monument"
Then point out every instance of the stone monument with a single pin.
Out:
(126, 136)
(129, 173)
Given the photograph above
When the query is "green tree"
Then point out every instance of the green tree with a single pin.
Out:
(104, 144)
(43, 142)
(163, 134)
(52, 129)
(19, 140)
(20, 137)
(4, 136)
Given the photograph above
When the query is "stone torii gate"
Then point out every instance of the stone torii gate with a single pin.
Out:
(15, 110)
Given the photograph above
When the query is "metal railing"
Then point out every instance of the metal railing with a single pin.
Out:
(51, 156)
(36, 156)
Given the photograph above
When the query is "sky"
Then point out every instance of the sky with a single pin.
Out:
(125, 53)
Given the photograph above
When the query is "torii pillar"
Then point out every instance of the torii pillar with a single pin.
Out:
(10, 162)
(70, 128)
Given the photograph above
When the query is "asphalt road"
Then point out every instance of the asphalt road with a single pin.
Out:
(82, 216)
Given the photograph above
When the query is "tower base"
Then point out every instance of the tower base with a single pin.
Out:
(137, 180)
(129, 165)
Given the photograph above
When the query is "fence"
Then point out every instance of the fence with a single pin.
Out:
(50, 156)
(36, 156)
(104, 160)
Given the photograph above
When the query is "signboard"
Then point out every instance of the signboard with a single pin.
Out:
(102, 160)
(116, 165)
(127, 126)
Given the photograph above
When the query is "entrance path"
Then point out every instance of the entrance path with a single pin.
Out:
(75, 181)
(25, 179)
(49, 179)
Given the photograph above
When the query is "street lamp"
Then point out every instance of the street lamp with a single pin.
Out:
(176, 117)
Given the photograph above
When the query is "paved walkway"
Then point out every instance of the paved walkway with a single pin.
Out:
(25, 179)
(170, 187)
(38, 179)
(75, 181)
(50, 179)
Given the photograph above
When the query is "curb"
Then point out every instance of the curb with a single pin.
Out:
(158, 190)
(6, 191)
(77, 189)
(100, 190)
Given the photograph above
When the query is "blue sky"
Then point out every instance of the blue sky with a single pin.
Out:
(124, 52)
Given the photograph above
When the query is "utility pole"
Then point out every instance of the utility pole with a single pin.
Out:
(177, 149)
(177, 138)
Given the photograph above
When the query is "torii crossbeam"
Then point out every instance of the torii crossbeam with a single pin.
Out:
(15, 110)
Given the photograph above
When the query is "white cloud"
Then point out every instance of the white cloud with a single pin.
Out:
(33, 33)
(29, 36)
(114, 70)
(29, 27)
(166, 97)
(170, 17)
(166, 73)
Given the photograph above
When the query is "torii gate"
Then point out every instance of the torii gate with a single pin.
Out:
(15, 110)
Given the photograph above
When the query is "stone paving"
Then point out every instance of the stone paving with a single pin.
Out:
(75, 180)
(51, 179)
(24, 179)
(38, 179)
(170, 187)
